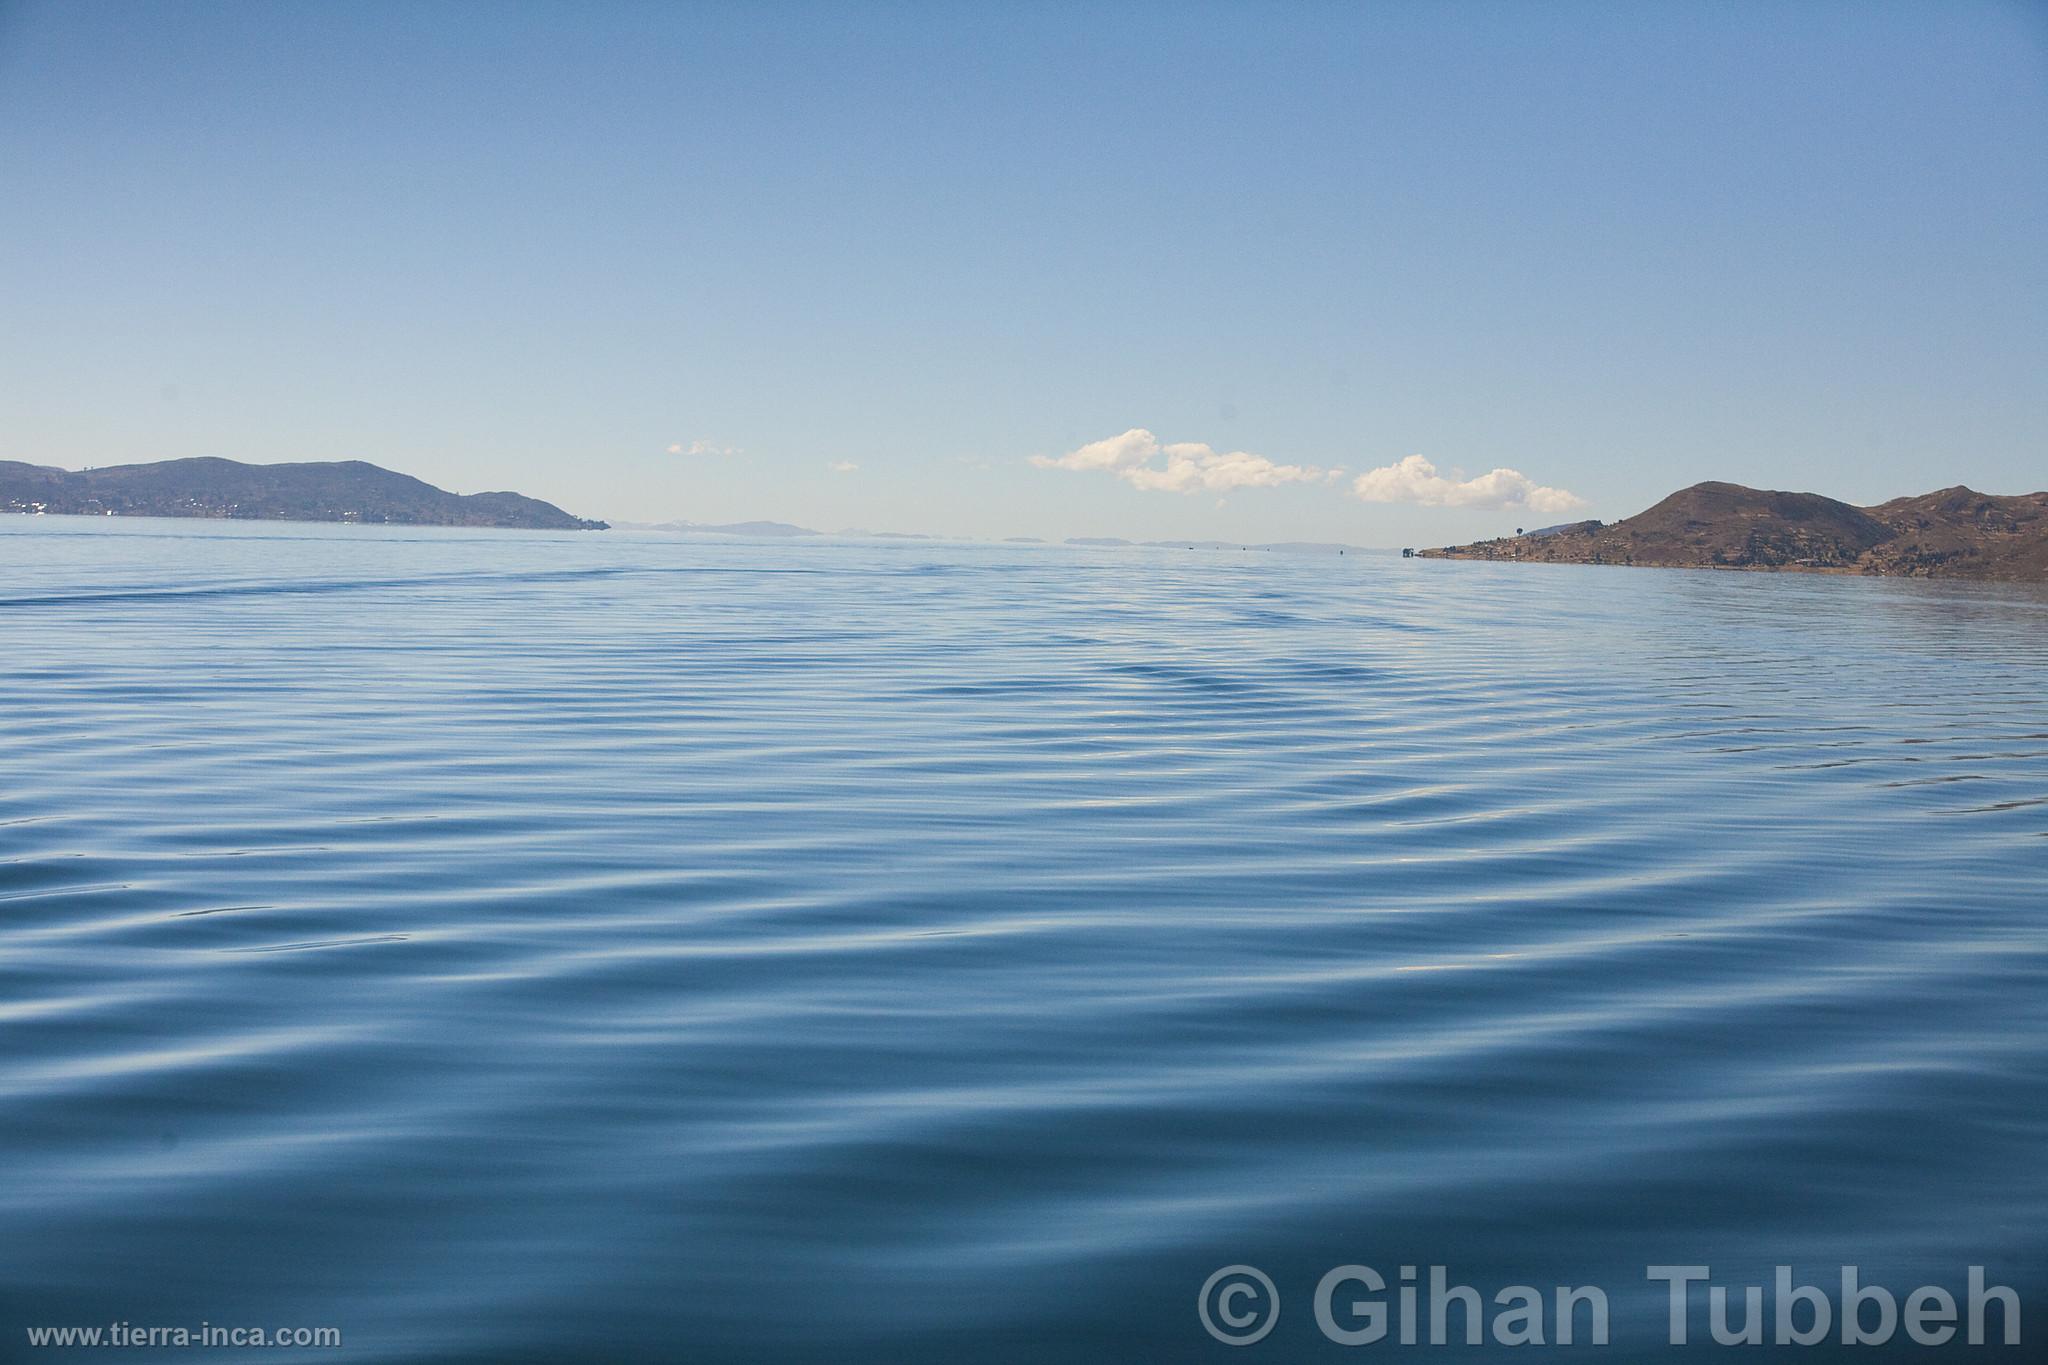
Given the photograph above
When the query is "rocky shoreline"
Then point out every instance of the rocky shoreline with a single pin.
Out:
(1952, 533)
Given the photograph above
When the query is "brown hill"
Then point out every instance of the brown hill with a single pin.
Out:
(1953, 533)
(1959, 532)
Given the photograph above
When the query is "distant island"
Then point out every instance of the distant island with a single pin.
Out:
(343, 490)
(1953, 533)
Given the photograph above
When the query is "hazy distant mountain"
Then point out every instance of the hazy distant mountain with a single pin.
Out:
(1285, 546)
(1953, 533)
(776, 528)
(1289, 546)
(738, 528)
(1022, 540)
(343, 490)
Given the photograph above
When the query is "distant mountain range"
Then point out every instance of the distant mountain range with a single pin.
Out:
(769, 528)
(783, 528)
(344, 490)
(729, 528)
(1952, 533)
(1287, 546)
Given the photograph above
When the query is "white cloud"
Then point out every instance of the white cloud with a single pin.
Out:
(844, 466)
(703, 447)
(1140, 460)
(1416, 480)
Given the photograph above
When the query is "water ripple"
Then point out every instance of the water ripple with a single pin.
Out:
(528, 947)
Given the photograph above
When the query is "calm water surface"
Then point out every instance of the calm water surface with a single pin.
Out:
(510, 946)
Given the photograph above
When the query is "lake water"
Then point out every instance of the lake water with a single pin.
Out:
(511, 946)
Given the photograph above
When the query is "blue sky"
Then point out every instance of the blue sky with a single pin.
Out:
(869, 261)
